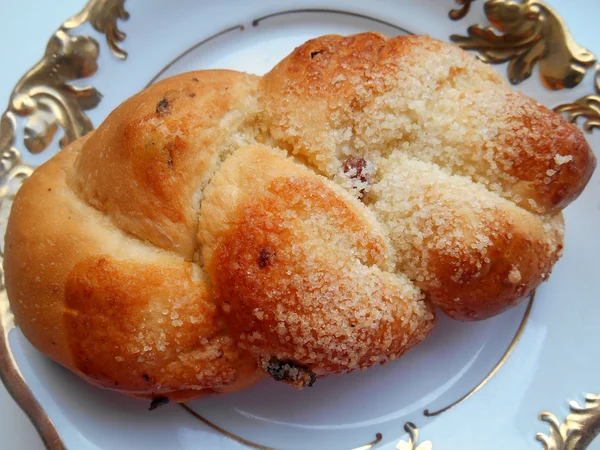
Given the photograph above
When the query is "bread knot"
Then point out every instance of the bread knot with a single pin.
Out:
(220, 227)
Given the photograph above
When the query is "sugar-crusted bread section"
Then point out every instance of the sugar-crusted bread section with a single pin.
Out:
(120, 312)
(468, 176)
(302, 268)
(473, 252)
(336, 97)
(220, 227)
(147, 165)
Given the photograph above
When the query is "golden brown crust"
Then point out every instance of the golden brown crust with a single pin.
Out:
(154, 154)
(301, 270)
(337, 96)
(117, 311)
(329, 203)
(473, 252)
(148, 328)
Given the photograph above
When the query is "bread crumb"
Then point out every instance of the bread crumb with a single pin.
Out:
(514, 276)
(560, 160)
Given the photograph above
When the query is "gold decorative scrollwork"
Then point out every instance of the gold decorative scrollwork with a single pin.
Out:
(587, 107)
(527, 33)
(459, 13)
(46, 100)
(103, 16)
(577, 431)
(370, 445)
(44, 94)
(413, 439)
(9, 155)
(45, 97)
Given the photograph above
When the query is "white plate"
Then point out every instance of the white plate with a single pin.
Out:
(533, 358)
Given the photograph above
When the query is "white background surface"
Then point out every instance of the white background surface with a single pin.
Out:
(25, 28)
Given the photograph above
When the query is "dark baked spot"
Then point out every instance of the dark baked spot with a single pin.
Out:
(265, 257)
(49, 189)
(192, 95)
(158, 401)
(163, 107)
(195, 79)
(313, 54)
(290, 372)
(146, 377)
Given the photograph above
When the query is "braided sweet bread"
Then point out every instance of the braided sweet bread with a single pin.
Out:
(220, 226)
